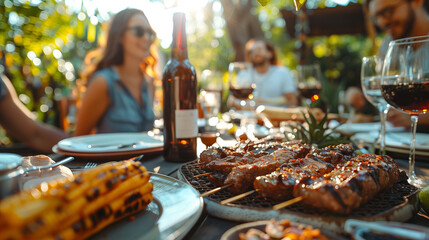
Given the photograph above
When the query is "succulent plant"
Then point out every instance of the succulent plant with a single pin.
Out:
(315, 133)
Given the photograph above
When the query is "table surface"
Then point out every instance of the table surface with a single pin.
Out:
(208, 226)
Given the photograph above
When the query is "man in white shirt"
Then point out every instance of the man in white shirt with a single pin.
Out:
(274, 84)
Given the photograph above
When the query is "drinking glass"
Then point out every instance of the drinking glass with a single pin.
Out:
(241, 84)
(210, 104)
(405, 86)
(211, 80)
(371, 86)
(211, 97)
(309, 82)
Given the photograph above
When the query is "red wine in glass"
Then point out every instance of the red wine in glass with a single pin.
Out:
(412, 98)
(309, 92)
(241, 93)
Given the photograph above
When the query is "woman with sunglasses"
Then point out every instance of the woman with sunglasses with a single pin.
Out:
(119, 94)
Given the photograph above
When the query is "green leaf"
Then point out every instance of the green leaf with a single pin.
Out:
(263, 2)
(298, 4)
(316, 133)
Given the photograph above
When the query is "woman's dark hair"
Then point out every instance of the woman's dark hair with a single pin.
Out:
(113, 52)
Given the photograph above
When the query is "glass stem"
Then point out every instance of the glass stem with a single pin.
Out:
(382, 135)
(414, 119)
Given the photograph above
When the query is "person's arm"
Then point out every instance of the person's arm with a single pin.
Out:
(19, 123)
(94, 104)
(401, 119)
(272, 101)
(291, 99)
(288, 99)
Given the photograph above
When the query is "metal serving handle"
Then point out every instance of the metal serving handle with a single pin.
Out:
(34, 168)
(357, 227)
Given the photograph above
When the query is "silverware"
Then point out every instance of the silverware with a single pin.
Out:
(11, 182)
(90, 165)
(118, 146)
(65, 160)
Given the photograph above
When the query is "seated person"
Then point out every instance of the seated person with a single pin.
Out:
(397, 20)
(274, 84)
(120, 92)
(20, 123)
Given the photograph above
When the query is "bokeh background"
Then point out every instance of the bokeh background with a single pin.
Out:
(44, 43)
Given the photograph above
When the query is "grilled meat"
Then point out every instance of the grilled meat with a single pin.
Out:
(331, 178)
(279, 184)
(242, 167)
(243, 176)
(212, 154)
(350, 184)
(333, 154)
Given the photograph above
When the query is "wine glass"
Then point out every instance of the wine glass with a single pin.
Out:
(309, 82)
(405, 86)
(209, 138)
(371, 86)
(241, 84)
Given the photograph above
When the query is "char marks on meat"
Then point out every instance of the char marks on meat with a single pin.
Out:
(350, 184)
(331, 178)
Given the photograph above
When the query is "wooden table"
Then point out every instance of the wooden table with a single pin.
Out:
(209, 227)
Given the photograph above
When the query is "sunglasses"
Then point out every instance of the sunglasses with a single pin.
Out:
(139, 32)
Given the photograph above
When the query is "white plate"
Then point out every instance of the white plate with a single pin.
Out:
(349, 129)
(175, 210)
(396, 141)
(108, 156)
(110, 143)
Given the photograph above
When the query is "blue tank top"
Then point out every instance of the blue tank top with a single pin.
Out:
(124, 113)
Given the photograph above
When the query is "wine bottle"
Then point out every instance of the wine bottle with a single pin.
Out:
(179, 84)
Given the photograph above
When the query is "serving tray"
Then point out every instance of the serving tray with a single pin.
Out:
(399, 204)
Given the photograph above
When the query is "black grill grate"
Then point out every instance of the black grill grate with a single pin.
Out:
(380, 204)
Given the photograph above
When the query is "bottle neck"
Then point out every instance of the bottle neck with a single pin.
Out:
(179, 49)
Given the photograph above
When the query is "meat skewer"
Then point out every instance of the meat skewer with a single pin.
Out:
(330, 178)
(214, 190)
(202, 175)
(288, 203)
(238, 197)
(242, 168)
(349, 185)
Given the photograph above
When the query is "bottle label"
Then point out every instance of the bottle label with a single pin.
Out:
(186, 123)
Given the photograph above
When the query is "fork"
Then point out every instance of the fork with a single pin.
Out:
(90, 165)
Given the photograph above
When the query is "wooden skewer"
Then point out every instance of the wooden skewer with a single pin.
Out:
(236, 198)
(214, 190)
(287, 203)
(203, 174)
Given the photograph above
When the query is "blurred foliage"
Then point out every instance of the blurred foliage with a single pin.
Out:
(338, 55)
(43, 44)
